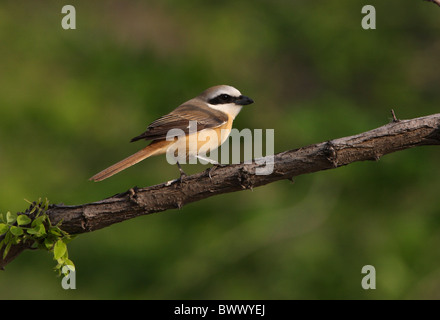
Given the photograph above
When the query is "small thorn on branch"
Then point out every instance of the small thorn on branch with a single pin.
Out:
(394, 115)
(331, 154)
(133, 191)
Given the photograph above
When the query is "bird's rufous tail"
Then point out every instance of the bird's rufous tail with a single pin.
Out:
(150, 150)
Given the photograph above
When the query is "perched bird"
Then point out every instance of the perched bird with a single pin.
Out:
(213, 111)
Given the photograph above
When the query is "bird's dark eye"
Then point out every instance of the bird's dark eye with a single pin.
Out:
(222, 99)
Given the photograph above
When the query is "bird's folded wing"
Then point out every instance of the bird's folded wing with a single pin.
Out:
(180, 118)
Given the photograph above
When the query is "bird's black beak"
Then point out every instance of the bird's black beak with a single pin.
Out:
(243, 101)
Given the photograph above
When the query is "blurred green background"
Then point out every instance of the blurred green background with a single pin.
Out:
(71, 100)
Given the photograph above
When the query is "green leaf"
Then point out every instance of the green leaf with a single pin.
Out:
(3, 228)
(31, 231)
(23, 220)
(38, 231)
(41, 230)
(54, 231)
(48, 243)
(37, 221)
(8, 246)
(59, 249)
(8, 237)
(16, 231)
(11, 217)
(69, 262)
(61, 261)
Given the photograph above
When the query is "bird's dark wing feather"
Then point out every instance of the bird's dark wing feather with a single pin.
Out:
(180, 119)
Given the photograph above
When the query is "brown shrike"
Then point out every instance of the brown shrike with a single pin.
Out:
(213, 112)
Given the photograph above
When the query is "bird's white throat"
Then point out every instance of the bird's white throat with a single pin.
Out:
(231, 109)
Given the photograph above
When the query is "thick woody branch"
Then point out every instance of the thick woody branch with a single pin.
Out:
(370, 145)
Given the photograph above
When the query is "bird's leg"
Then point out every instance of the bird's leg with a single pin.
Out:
(215, 166)
(180, 179)
(214, 163)
(182, 173)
